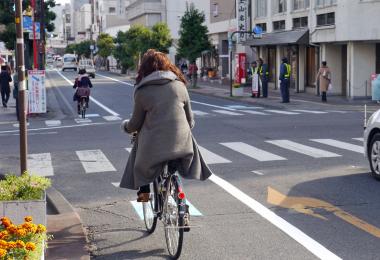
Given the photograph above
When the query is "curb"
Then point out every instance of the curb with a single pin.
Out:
(69, 237)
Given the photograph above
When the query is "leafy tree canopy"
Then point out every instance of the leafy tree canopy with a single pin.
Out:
(82, 49)
(105, 45)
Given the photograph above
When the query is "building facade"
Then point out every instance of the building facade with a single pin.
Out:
(343, 33)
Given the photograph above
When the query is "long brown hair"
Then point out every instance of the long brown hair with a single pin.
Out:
(154, 61)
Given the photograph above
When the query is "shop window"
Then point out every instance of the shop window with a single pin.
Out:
(112, 10)
(279, 25)
(378, 58)
(263, 26)
(300, 22)
(326, 19)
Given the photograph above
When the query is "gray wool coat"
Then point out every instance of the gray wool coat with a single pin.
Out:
(163, 118)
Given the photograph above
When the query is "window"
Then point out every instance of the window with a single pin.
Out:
(279, 6)
(323, 3)
(378, 58)
(326, 19)
(279, 25)
(261, 8)
(263, 26)
(215, 9)
(300, 22)
(301, 4)
(112, 10)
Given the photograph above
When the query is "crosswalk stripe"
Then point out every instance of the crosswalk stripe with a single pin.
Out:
(53, 122)
(92, 115)
(111, 118)
(138, 207)
(40, 164)
(281, 112)
(116, 184)
(309, 111)
(94, 161)
(341, 145)
(243, 107)
(128, 149)
(253, 152)
(82, 120)
(212, 158)
(253, 112)
(17, 125)
(361, 139)
(199, 113)
(226, 112)
(303, 149)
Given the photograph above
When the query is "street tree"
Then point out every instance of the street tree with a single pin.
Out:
(161, 39)
(82, 49)
(106, 46)
(193, 36)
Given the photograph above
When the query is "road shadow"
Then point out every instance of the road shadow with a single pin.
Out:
(134, 254)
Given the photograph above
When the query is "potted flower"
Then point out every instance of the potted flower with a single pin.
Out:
(237, 90)
(23, 241)
(24, 196)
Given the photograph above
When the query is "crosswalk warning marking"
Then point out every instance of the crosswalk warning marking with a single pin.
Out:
(281, 112)
(199, 113)
(253, 152)
(361, 139)
(111, 118)
(341, 145)
(82, 120)
(92, 115)
(212, 158)
(116, 184)
(309, 111)
(303, 149)
(40, 164)
(243, 107)
(254, 112)
(128, 149)
(94, 161)
(194, 212)
(226, 112)
(53, 122)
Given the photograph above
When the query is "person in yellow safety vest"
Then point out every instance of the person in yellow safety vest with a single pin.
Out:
(253, 69)
(264, 76)
(285, 72)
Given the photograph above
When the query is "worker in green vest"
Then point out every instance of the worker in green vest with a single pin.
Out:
(264, 76)
(285, 72)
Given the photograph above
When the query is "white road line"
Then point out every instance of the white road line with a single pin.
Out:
(212, 158)
(128, 149)
(253, 152)
(95, 161)
(337, 111)
(53, 127)
(111, 118)
(226, 112)
(40, 164)
(53, 122)
(17, 125)
(210, 105)
(82, 120)
(91, 98)
(116, 184)
(303, 239)
(200, 113)
(341, 145)
(303, 149)
(281, 112)
(361, 139)
(123, 82)
(92, 115)
(253, 112)
(243, 107)
(258, 173)
(309, 111)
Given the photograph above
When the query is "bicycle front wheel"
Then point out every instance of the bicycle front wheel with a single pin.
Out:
(173, 221)
(150, 209)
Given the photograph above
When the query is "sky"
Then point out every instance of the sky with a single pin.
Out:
(62, 1)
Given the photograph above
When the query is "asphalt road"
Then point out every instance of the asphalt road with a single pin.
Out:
(287, 185)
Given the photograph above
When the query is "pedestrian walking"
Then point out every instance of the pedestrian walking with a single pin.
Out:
(285, 71)
(15, 94)
(264, 77)
(193, 74)
(5, 79)
(253, 74)
(324, 78)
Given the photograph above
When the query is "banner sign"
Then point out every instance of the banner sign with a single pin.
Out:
(242, 19)
(240, 73)
(27, 23)
(36, 91)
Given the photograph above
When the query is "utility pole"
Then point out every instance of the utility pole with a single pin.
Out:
(42, 35)
(22, 87)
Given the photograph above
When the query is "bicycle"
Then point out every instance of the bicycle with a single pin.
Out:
(167, 202)
(82, 106)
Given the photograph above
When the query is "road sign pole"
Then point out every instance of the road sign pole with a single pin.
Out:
(34, 36)
(22, 87)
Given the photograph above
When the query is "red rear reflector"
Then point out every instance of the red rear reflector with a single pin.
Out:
(181, 195)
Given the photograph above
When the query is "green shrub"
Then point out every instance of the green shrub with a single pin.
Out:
(24, 187)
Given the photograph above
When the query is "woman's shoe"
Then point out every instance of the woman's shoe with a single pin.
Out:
(143, 197)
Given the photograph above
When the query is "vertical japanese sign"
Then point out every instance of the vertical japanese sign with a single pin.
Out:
(242, 19)
(36, 91)
(240, 60)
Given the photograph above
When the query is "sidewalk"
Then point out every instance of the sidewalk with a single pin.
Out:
(274, 98)
(8, 115)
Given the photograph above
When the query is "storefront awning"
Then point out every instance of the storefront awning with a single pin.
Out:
(281, 38)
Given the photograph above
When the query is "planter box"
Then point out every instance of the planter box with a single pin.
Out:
(238, 92)
(18, 209)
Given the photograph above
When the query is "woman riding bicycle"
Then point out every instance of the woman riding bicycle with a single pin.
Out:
(82, 85)
(163, 118)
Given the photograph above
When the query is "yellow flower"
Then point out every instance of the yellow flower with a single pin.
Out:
(4, 234)
(5, 222)
(12, 244)
(41, 228)
(3, 252)
(21, 232)
(20, 244)
(28, 219)
(3, 244)
(30, 246)
(29, 227)
(12, 229)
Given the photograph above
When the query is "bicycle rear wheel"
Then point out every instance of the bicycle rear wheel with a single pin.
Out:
(150, 209)
(173, 220)
(83, 108)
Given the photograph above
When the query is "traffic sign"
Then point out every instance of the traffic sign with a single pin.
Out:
(31, 36)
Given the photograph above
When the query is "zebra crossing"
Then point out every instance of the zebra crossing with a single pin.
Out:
(96, 161)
